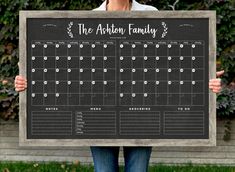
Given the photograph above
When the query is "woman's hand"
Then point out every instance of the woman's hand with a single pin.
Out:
(20, 83)
(215, 84)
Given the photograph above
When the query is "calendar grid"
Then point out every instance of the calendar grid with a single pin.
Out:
(149, 77)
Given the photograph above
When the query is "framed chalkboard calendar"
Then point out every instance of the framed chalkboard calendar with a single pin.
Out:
(117, 79)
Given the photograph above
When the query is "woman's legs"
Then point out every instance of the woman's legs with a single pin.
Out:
(137, 158)
(105, 158)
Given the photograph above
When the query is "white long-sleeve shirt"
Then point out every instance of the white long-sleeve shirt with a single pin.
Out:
(135, 7)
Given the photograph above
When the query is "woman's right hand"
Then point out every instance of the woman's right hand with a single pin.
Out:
(20, 83)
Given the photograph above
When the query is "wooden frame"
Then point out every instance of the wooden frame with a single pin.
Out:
(118, 142)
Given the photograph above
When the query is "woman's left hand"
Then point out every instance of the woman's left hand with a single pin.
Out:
(215, 84)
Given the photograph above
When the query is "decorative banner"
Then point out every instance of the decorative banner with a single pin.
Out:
(120, 79)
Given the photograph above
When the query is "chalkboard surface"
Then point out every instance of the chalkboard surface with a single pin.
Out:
(117, 78)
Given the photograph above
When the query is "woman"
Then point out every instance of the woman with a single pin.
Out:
(136, 158)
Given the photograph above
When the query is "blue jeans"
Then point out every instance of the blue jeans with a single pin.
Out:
(106, 158)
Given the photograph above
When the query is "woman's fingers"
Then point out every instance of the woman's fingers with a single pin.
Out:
(215, 82)
(215, 85)
(20, 83)
(20, 78)
(220, 73)
(216, 90)
(20, 89)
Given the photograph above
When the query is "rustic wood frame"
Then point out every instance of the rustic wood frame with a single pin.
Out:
(117, 142)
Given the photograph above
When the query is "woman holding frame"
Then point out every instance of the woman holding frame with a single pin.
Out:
(136, 158)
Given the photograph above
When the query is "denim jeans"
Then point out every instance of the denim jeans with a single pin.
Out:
(106, 158)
